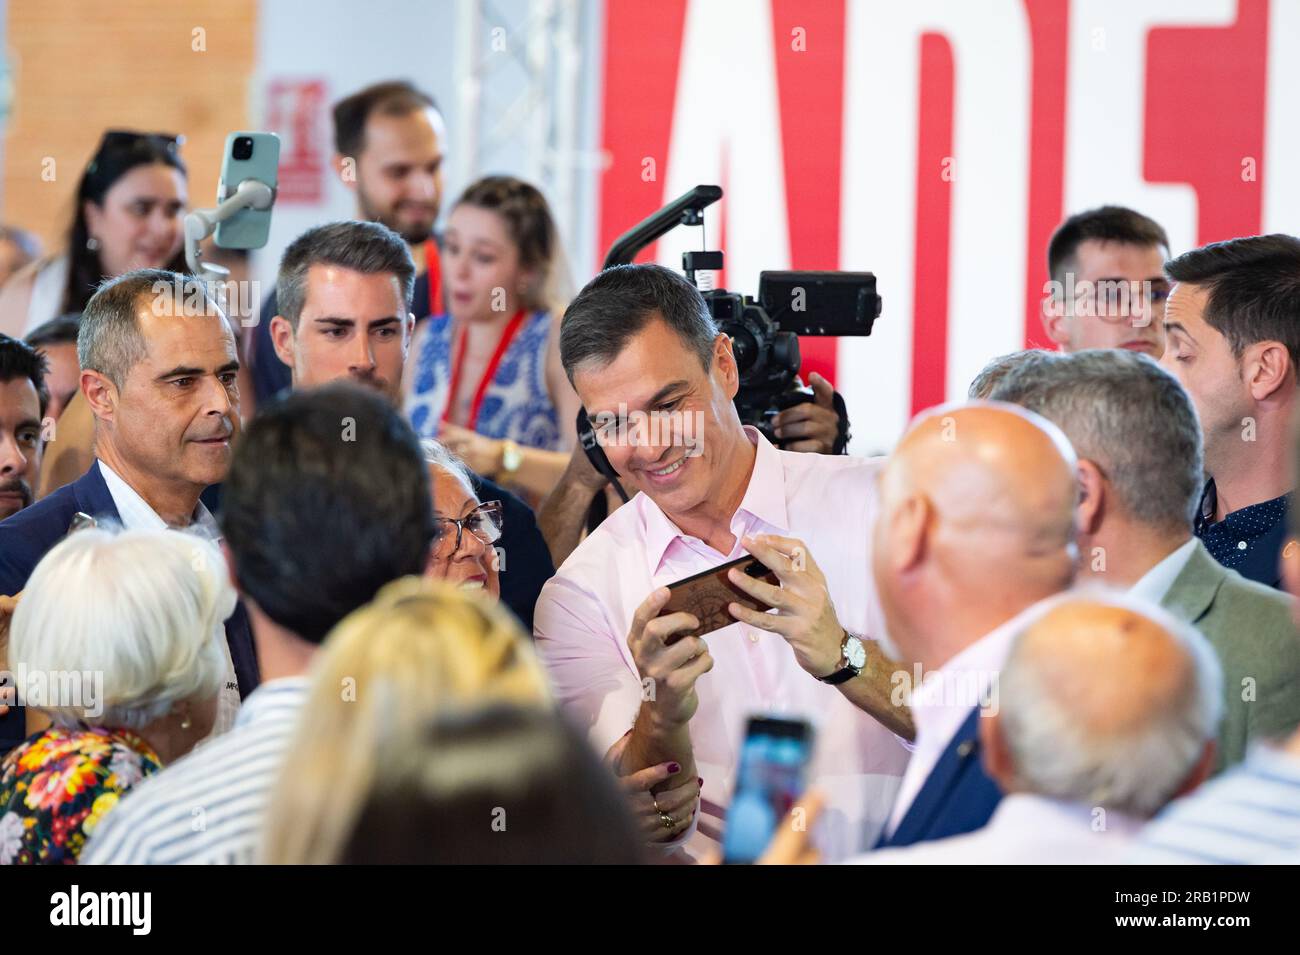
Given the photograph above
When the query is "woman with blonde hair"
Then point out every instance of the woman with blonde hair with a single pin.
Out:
(421, 647)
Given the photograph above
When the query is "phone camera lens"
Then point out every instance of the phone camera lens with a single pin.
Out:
(243, 148)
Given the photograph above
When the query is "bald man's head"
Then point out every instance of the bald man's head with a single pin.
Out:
(976, 524)
(1106, 701)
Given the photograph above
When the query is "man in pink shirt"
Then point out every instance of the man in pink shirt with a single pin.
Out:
(659, 381)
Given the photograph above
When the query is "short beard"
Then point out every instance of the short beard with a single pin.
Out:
(373, 213)
(22, 487)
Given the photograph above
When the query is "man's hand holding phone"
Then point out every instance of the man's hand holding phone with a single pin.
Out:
(661, 733)
(673, 666)
(805, 615)
(807, 620)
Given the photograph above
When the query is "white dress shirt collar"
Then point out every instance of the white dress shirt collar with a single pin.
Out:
(1155, 583)
(763, 506)
(944, 699)
(136, 514)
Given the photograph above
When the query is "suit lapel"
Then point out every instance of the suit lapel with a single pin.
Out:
(1192, 593)
(92, 495)
(939, 784)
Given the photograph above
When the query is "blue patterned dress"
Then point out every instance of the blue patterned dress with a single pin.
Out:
(516, 405)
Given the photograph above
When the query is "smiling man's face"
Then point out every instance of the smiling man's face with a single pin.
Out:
(678, 457)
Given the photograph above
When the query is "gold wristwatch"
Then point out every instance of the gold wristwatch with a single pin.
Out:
(511, 456)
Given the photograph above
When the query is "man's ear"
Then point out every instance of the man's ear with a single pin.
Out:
(907, 533)
(408, 333)
(101, 394)
(994, 753)
(725, 359)
(1091, 509)
(345, 167)
(1267, 367)
(1052, 313)
(282, 336)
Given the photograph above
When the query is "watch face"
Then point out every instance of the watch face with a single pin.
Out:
(855, 652)
(511, 458)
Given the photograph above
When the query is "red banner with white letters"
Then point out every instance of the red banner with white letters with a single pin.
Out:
(937, 143)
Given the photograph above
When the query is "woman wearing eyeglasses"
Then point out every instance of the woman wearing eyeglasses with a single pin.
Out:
(130, 204)
(466, 530)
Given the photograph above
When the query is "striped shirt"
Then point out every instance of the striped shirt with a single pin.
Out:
(1249, 815)
(207, 807)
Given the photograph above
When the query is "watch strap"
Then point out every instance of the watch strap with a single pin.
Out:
(848, 671)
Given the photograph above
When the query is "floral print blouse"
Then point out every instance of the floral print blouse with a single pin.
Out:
(56, 786)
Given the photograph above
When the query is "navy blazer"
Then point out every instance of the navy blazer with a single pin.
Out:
(957, 797)
(25, 538)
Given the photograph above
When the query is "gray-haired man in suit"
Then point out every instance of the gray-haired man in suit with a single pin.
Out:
(1140, 469)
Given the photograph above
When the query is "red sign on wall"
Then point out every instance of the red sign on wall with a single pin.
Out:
(296, 112)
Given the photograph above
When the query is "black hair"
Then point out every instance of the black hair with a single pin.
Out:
(391, 98)
(1104, 224)
(327, 501)
(61, 330)
(620, 301)
(20, 360)
(370, 248)
(118, 153)
(1254, 289)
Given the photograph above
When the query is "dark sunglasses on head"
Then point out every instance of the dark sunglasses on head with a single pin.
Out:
(118, 141)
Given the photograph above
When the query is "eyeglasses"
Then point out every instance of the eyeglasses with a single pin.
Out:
(484, 522)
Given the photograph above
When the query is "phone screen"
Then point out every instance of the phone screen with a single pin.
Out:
(773, 767)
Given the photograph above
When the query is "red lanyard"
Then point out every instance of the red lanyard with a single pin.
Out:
(489, 373)
(433, 268)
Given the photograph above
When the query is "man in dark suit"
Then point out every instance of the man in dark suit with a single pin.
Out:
(342, 290)
(976, 526)
(158, 366)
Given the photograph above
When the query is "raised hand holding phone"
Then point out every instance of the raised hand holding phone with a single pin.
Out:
(806, 616)
(669, 661)
(771, 777)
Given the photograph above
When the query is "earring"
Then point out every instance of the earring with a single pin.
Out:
(186, 722)
(92, 244)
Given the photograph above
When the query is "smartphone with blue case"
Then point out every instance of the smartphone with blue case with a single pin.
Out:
(773, 772)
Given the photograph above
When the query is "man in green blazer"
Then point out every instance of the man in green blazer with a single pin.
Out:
(1140, 472)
